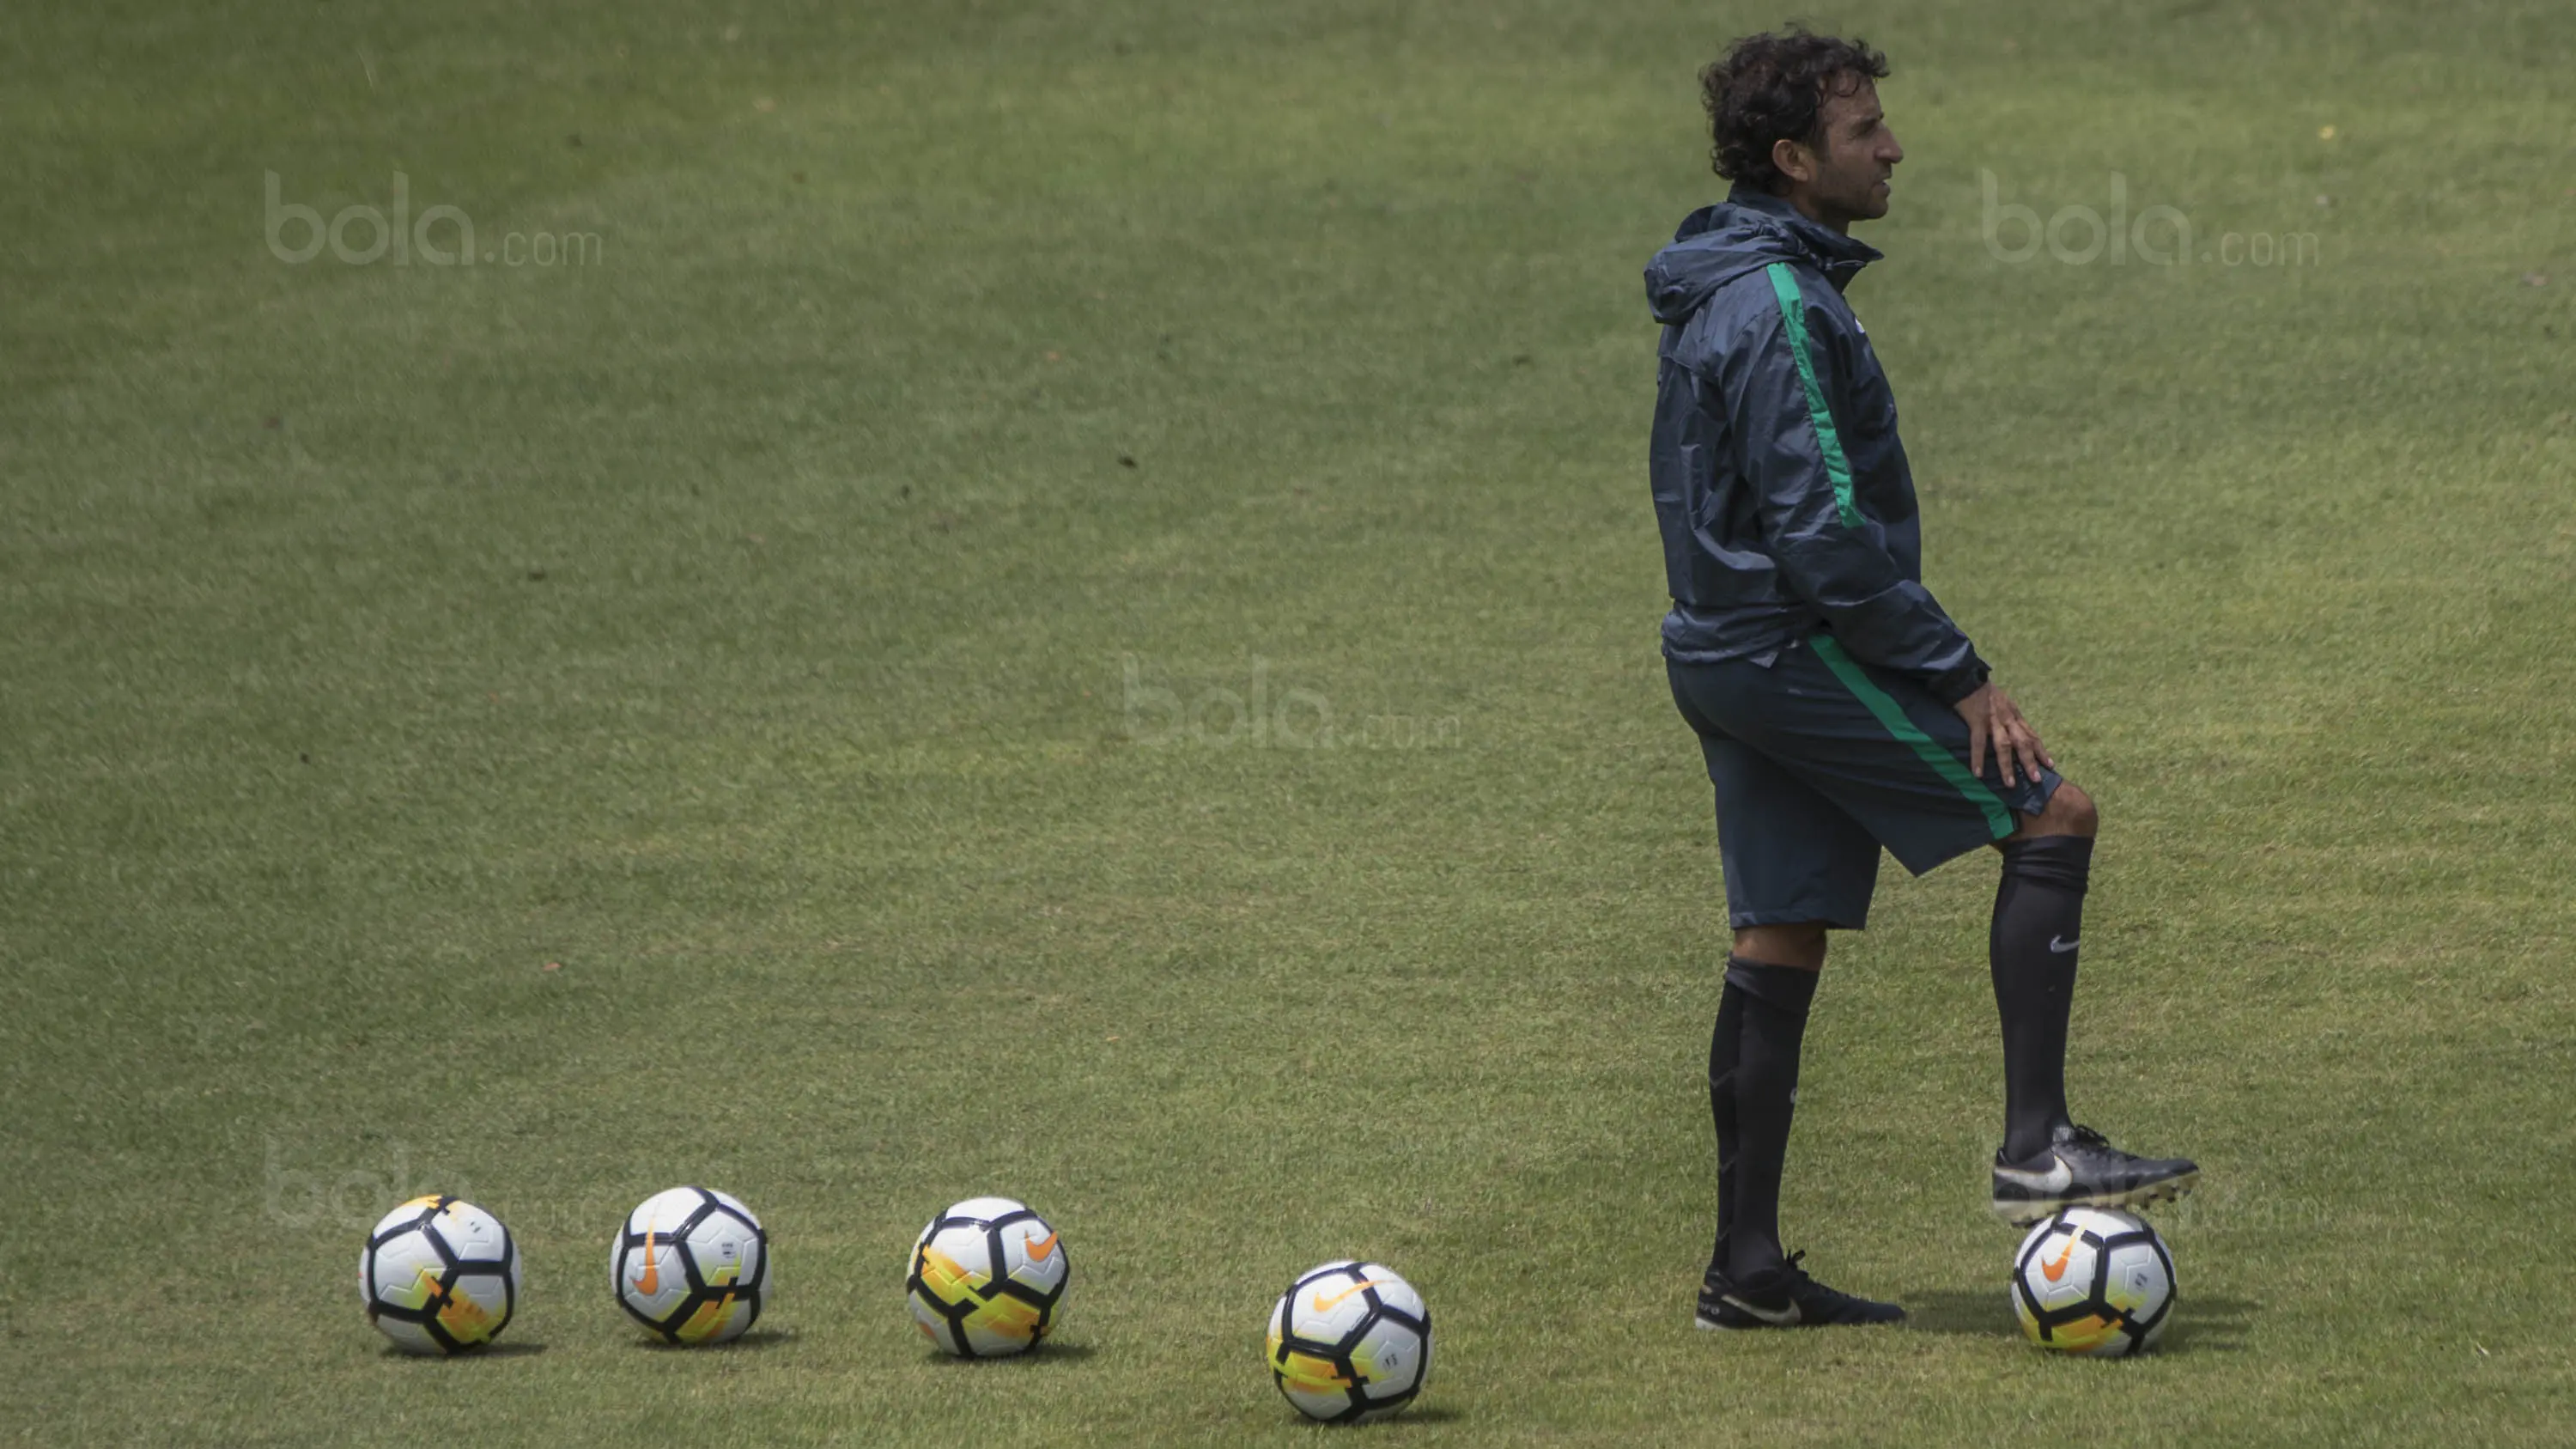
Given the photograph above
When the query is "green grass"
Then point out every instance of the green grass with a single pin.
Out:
(743, 621)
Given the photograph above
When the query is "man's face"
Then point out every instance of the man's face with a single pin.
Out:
(1848, 175)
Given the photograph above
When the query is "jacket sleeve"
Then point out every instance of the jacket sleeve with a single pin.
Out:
(1775, 382)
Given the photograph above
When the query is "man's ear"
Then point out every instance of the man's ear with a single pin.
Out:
(1793, 161)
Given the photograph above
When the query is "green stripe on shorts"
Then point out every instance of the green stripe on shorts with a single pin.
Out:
(1892, 715)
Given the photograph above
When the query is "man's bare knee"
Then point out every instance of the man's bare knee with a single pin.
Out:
(1800, 944)
(2070, 812)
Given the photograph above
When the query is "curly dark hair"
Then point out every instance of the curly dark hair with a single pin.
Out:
(1768, 88)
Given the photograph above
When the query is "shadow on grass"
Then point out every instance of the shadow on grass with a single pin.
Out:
(516, 1348)
(2202, 1323)
(2208, 1325)
(1045, 1353)
(1416, 1414)
(752, 1342)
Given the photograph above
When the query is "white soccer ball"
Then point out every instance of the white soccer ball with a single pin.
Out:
(439, 1275)
(987, 1279)
(2093, 1281)
(1350, 1342)
(692, 1266)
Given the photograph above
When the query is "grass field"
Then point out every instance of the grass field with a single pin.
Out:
(765, 700)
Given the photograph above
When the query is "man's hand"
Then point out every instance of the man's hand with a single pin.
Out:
(1994, 719)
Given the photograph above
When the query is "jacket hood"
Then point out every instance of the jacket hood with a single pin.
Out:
(1744, 233)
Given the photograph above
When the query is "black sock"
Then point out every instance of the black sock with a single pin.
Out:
(2039, 918)
(1722, 1051)
(1775, 1000)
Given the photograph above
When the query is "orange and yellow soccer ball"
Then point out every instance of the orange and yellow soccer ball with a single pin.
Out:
(2093, 1281)
(439, 1275)
(987, 1279)
(692, 1266)
(1350, 1342)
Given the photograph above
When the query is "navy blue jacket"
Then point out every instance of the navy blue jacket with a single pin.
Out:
(1782, 492)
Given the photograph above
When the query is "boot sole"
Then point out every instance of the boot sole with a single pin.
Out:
(1705, 1324)
(2025, 1212)
(1709, 1325)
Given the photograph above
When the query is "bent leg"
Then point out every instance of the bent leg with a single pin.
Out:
(1890, 757)
(2070, 812)
(2031, 955)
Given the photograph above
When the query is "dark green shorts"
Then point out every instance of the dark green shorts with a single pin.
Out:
(1818, 761)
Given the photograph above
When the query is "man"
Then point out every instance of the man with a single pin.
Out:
(1839, 708)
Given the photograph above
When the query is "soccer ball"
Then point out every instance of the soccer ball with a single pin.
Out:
(1350, 1342)
(987, 1278)
(439, 1275)
(691, 1265)
(2091, 1280)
